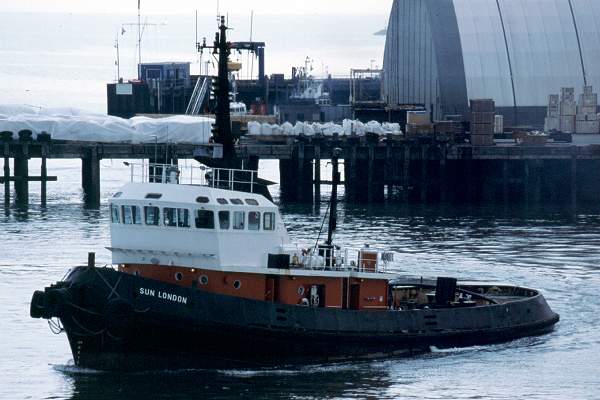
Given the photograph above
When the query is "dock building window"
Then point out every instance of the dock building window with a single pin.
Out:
(114, 214)
(132, 215)
(205, 219)
(254, 221)
(238, 220)
(152, 215)
(269, 221)
(224, 220)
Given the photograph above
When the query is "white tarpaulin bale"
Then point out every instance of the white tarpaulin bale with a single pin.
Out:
(298, 129)
(72, 124)
(374, 127)
(288, 129)
(254, 128)
(309, 130)
(266, 129)
(391, 127)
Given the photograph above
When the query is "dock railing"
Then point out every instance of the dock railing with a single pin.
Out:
(222, 178)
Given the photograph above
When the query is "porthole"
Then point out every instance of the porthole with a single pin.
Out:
(204, 280)
(178, 276)
(301, 290)
(237, 285)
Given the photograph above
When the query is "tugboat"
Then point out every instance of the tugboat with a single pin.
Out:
(204, 275)
(207, 277)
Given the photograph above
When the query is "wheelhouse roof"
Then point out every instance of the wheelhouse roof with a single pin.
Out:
(173, 193)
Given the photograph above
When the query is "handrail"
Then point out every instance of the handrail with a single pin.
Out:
(340, 259)
(222, 178)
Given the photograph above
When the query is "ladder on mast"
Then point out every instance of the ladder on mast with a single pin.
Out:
(198, 96)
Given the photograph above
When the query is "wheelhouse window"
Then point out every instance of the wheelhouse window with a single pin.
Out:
(151, 215)
(183, 218)
(224, 220)
(170, 216)
(269, 221)
(237, 202)
(202, 200)
(114, 214)
(205, 219)
(251, 202)
(154, 196)
(254, 221)
(132, 215)
(222, 201)
(238, 220)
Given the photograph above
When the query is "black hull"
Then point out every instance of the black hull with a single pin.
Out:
(116, 321)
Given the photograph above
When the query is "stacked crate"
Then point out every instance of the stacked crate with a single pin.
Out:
(483, 113)
(586, 120)
(568, 110)
(418, 124)
(452, 131)
(552, 121)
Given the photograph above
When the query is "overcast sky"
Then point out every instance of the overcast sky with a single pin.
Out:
(203, 6)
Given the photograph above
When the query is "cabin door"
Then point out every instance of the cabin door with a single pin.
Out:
(272, 290)
(345, 293)
(354, 297)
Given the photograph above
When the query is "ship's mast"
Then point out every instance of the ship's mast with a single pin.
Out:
(333, 202)
(222, 131)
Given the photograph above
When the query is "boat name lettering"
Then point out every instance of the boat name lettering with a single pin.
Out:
(163, 295)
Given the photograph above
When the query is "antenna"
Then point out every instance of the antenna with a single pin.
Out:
(141, 27)
(118, 58)
(140, 30)
(251, 34)
(199, 53)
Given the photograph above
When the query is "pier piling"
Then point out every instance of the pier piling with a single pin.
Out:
(90, 177)
(317, 178)
(21, 180)
(6, 176)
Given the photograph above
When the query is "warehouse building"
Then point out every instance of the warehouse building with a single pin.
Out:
(441, 53)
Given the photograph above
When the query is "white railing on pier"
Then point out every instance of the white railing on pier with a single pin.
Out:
(222, 178)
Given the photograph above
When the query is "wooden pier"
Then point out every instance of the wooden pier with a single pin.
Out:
(431, 171)
(90, 153)
(375, 169)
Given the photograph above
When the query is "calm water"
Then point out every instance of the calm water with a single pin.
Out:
(554, 251)
(65, 60)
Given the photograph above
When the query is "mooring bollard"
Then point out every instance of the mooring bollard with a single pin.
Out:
(91, 260)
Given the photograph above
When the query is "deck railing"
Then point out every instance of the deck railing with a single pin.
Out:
(222, 178)
(342, 259)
